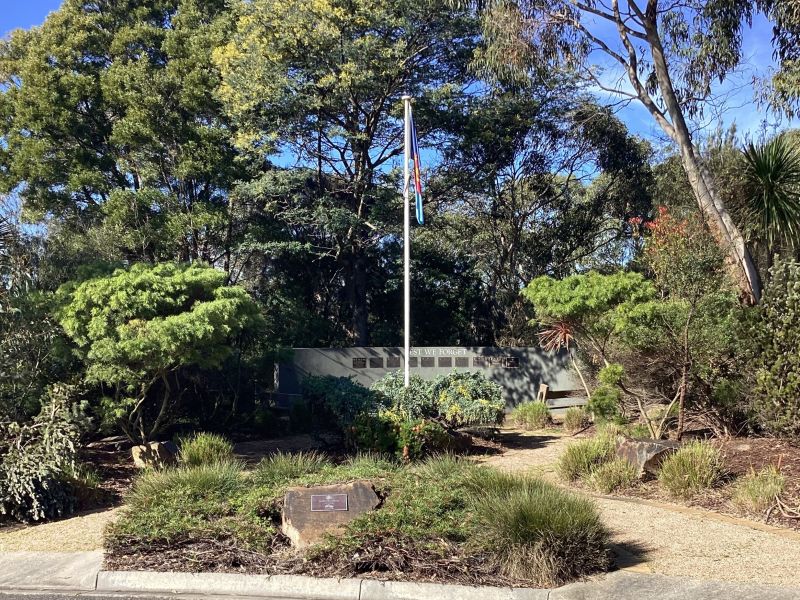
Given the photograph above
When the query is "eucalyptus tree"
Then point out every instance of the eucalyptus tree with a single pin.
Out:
(539, 180)
(669, 55)
(318, 85)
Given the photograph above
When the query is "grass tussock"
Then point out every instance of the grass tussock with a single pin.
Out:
(205, 449)
(581, 458)
(756, 491)
(283, 467)
(575, 419)
(536, 531)
(531, 416)
(695, 467)
(614, 475)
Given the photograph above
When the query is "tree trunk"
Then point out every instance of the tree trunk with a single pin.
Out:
(719, 222)
(357, 296)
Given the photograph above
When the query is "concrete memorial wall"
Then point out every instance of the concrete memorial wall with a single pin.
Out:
(518, 370)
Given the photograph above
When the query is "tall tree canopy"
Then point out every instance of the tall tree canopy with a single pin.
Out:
(670, 54)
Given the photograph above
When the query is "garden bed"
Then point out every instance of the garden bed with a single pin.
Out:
(741, 457)
(445, 519)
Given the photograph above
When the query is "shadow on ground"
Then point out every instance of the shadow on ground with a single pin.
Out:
(628, 555)
(520, 440)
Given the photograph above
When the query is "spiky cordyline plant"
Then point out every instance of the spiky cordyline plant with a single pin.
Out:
(772, 175)
(556, 336)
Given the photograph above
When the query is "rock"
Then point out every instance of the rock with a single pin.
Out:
(646, 455)
(311, 512)
(155, 455)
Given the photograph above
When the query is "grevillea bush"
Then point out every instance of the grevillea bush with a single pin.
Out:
(465, 399)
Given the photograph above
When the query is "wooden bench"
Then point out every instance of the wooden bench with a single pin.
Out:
(558, 401)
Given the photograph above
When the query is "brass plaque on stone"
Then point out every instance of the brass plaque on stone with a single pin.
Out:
(328, 502)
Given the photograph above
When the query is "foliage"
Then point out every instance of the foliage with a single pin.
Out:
(415, 401)
(37, 459)
(756, 491)
(531, 415)
(582, 458)
(538, 532)
(772, 177)
(604, 404)
(774, 331)
(575, 419)
(695, 467)
(205, 448)
(467, 398)
(586, 302)
(136, 328)
(388, 432)
(614, 475)
(341, 398)
(282, 467)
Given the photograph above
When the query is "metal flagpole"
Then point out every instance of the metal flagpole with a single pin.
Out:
(406, 245)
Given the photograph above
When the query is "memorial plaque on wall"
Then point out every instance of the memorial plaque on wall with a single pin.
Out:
(413, 361)
(462, 361)
(359, 363)
(428, 361)
(445, 361)
(375, 362)
(392, 362)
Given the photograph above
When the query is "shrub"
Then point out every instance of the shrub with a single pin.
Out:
(604, 403)
(531, 415)
(776, 395)
(37, 460)
(282, 467)
(696, 466)
(536, 531)
(389, 433)
(205, 448)
(414, 402)
(581, 458)
(756, 491)
(613, 475)
(575, 419)
(464, 399)
(341, 397)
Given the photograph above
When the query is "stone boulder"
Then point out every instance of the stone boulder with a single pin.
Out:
(155, 455)
(311, 512)
(646, 455)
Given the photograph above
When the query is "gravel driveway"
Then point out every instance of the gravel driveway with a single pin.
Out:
(653, 537)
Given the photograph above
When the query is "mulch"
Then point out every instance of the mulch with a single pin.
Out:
(741, 456)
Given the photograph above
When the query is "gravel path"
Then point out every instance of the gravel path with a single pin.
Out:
(653, 537)
(76, 534)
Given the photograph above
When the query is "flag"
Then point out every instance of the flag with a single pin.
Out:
(417, 171)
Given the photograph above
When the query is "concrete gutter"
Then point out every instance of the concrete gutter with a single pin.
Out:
(81, 572)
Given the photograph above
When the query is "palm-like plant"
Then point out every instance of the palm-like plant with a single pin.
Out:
(772, 180)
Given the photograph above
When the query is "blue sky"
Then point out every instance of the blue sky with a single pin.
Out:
(749, 119)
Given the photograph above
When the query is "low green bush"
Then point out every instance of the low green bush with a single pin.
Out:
(464, 399)
(604, 404)
(638, 431)
(413, 402)
(531, 415)
(205, 448)
(535, 531)
(390, 433)
(575, 419)
(616, 474)
(581, 458)
(695, 467)
(341, 398)
(756, 491)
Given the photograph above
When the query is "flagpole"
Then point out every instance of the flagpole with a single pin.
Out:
(406, 245)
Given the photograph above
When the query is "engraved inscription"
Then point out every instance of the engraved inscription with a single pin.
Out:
(328, 502)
